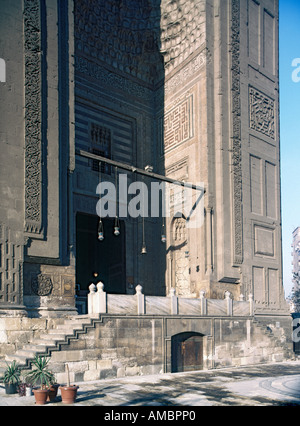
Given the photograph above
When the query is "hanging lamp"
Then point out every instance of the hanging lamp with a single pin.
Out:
(100, 224)
(100, 230)
(163, 233)
(144, 248)
(117, 229)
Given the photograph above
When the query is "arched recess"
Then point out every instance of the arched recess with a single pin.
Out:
(187, 352)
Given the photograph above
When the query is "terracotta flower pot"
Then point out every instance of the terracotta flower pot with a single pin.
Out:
(68, 394)
(41, 396)
(52, 393)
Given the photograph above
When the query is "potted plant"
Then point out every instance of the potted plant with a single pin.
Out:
(68, 392)
(24, 388)
(52, 394)
(12, 378)
(41, 375)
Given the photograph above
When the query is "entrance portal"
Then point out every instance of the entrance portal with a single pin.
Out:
(99, 261)
(187, 352)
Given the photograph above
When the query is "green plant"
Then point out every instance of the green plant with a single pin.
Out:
(40, 373)
(12, 374)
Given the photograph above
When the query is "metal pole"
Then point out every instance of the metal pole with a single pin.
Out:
(136, 170)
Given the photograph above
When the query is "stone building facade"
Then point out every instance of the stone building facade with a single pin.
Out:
(188, 87)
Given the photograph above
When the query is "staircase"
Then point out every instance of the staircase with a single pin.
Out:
(55, 343)
(50, 341)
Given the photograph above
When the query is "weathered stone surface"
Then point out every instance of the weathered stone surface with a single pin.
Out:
(188, 87)
(228, 342)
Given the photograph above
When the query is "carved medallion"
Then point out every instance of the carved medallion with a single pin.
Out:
(42, 285)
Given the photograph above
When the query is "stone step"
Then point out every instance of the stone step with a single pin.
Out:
(64, 331)
(38, 347)
(53, 337)
(31, 353)
(78, 319)
(48, 340)
(45, 343)
(72, 325)
(20, 359)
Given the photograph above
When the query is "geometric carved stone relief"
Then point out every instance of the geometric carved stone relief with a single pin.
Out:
(262, 113)
(180, 259)
(11, 268)
(33, 116)
(42, 285)
(236, 132)
(185, 74)
(110, 79)
(177, 124)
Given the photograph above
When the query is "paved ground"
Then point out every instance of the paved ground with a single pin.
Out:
(264, 385)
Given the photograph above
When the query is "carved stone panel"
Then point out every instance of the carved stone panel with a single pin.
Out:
(180, 257)
(33, 116)
(11, 268)
(262, 113)
(177, 124)
(236, 133)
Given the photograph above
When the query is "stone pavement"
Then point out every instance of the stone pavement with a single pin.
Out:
(263, 385)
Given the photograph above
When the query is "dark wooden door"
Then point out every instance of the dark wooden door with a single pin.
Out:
(187, 353)
(192, 354)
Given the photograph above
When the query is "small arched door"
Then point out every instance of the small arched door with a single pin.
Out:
(187, 352)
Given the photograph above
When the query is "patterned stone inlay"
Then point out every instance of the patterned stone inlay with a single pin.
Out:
(262, 113)
(33, 116)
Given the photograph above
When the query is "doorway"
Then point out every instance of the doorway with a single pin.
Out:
(187, 352)
(99, 261)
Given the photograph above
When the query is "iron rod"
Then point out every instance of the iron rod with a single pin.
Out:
(136, 170)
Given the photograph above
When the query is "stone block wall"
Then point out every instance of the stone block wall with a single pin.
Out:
(17, 332)
(128, 346)
(112, 346)
(116, 347)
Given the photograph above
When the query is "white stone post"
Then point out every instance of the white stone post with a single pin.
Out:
(174, 302)
(229, 303)
(203, 303)
(91, 299)
(251, 304)
(100, 299)
(140, 300)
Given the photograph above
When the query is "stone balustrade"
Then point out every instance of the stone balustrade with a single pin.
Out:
(99, 302)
